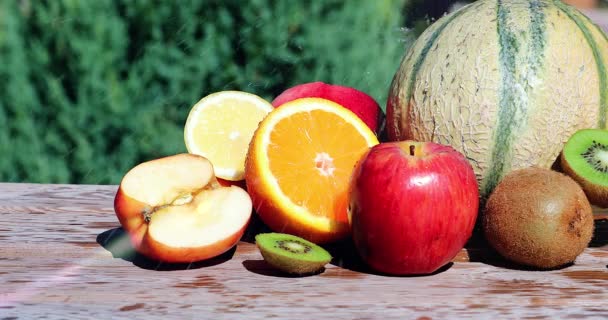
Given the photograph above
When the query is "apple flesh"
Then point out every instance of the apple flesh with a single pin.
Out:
(412, 206)
(364, 106)
(174, 210)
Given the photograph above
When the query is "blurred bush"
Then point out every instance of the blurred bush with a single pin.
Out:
(88, 89)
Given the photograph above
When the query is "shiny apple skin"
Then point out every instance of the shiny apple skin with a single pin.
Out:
(359, 102)
(411, 214)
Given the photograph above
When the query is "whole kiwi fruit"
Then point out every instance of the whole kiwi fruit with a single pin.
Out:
(585, 159)
(539, 218)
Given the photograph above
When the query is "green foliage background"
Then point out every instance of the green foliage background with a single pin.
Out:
(88, 89)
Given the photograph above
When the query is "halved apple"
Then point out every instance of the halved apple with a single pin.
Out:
(174, 210)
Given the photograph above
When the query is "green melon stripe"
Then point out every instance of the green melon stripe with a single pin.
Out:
(509, 49)
(536, 52)
(512, 111)
(605, 37)
(601, 67)
(425, 50)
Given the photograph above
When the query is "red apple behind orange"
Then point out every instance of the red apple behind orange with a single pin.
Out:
(412, 206)
(356, 101)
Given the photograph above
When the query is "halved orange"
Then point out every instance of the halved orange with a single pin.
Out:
(299, 165)
(220, 126)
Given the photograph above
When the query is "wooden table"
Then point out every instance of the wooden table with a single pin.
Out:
(63, 255)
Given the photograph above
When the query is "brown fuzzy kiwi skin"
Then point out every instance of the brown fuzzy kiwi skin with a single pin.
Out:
(539, 218)
(597, 194)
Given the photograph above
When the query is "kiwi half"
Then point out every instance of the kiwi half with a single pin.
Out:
(538, 217)
(585, 159)
(292, 254)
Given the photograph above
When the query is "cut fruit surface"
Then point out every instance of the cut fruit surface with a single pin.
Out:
(172, 178)
(291, 254)
(174, 209)
(220, 126)
(299, 165)
(209, 216)
(587, 153)
(585, 159)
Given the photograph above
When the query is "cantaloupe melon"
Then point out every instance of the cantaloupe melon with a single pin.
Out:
(504, 82)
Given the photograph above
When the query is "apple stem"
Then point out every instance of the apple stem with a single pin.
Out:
(412, 150)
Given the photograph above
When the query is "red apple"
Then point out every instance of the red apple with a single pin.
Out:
(356, 101)
(412, 206)
(174, 210)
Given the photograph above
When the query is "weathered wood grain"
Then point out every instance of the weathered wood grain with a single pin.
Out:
(63, 255)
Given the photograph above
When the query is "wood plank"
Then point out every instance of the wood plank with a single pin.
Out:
(63, 255)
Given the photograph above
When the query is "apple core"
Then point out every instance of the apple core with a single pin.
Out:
(182, 199)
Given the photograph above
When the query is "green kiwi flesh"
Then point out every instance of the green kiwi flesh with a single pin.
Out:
(292, 254)
(539, 218)
(585, 159)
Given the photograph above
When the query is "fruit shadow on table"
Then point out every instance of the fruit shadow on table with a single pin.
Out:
(479, 251)
(343, 252)
(345, 256)
(117, 242)
(600, 233)
(261, 267)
